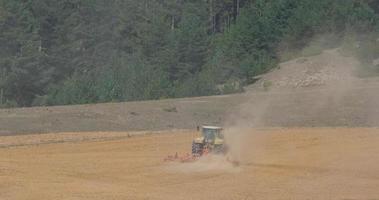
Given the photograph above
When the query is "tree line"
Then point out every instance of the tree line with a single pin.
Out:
(57, 52)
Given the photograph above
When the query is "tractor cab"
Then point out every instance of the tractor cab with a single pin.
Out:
(212, 134)
(211, 140)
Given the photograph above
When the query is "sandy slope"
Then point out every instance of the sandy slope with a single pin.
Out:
(320, 90)
(319, 163)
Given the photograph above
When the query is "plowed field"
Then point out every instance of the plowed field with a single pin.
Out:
(303, 163)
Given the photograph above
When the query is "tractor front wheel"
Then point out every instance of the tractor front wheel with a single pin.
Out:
(219, 149)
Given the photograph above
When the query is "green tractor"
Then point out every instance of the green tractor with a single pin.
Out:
(210, 141)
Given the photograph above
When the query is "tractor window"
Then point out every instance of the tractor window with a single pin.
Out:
(209, 134)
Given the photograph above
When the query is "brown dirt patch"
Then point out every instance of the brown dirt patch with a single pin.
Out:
(303, 163)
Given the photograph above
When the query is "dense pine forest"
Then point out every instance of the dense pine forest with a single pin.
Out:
(57, 52)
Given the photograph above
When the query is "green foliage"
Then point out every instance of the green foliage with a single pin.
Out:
(78, 89)
(266, 30)
(73, 52)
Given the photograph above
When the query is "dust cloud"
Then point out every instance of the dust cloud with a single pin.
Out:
(319, 90)
(312, 91)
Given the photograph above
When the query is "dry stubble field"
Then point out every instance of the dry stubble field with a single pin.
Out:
(302, 163)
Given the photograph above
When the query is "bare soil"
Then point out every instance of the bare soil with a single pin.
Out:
(302, 163)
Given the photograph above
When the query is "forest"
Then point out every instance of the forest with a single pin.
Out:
(60, 52)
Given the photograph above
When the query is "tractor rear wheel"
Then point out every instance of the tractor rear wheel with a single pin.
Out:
(197, 149)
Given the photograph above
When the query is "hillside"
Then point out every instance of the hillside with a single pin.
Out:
(74, 52)
(321, 90)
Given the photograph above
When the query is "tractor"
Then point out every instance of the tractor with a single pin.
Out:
(210, 141)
